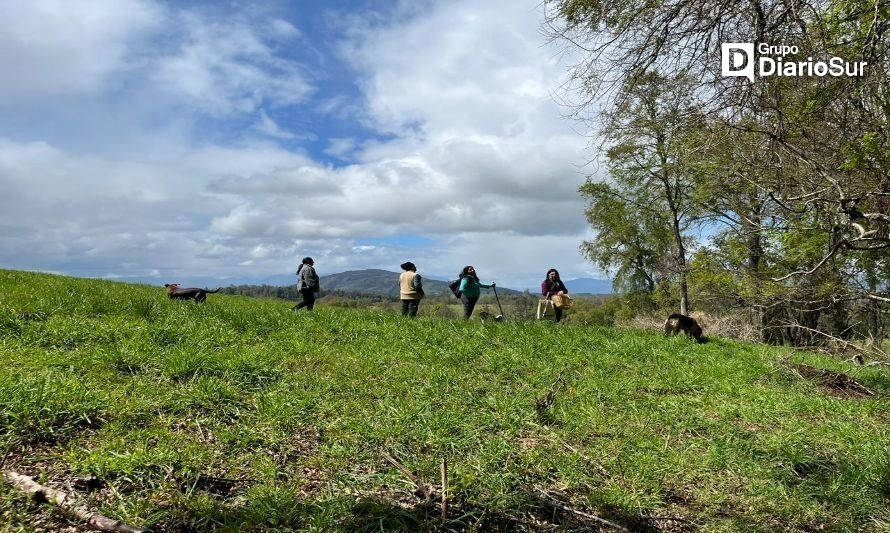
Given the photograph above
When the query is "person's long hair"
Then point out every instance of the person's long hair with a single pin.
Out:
(547, 276)
(306, 261)
(465, 273)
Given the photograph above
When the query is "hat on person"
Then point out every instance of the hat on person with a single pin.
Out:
(408, 265)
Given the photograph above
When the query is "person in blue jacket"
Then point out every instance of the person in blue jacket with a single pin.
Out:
(469, 289)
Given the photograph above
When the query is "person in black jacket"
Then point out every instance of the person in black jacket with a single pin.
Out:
(308, 284)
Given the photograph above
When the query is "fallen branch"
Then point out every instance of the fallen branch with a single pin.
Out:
(67, 503)
(833, 380)
(422, 487)
(549, 499)
(870, 351)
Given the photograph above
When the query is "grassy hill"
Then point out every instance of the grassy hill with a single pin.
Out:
(239, 414)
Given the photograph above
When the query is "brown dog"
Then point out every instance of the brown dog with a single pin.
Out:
(677, 323)
(175, 292)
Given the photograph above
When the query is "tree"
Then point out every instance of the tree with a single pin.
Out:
(648, 156)
(822, 141)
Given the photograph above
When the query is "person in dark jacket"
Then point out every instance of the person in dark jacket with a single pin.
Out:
(308, 284)
(410, 289)
(551, 286)
(469, 289)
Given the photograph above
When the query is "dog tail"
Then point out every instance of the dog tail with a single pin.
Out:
(211, 292)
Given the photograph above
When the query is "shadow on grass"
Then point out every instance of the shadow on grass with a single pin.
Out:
(534, 514)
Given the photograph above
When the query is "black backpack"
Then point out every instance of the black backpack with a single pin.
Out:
(455, 287)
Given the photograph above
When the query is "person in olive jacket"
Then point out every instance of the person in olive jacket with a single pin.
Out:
(469, 289)
(551, 286)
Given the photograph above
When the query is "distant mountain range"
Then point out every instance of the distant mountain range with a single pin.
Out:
(383, 282)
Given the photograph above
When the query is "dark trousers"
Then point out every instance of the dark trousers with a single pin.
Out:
(469, 304)
(557, 312)
(409, 307)
(308, 300)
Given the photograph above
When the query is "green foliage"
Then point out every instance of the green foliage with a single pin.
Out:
(643, 215)
(789, 174)
(239, 414)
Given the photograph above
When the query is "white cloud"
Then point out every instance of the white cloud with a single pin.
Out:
(480, 145)
(340, 147)
(267, 126)
(217, 64)
(58, 46)
(283, 29)
(140, 173)
(460, 69)
(225, 67)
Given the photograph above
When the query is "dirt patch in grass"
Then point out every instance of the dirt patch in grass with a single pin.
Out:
(299, 449)
(835, 383)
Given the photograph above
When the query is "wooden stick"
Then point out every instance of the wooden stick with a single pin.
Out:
(444, 471)
(66, 502)
(421, 486)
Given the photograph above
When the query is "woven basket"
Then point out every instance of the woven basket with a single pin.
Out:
(561, 301)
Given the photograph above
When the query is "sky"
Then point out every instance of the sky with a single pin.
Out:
(221, 142)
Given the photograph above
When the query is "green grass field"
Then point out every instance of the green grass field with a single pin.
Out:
(241, 415)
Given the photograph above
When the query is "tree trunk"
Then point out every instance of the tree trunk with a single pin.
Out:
(684, 295)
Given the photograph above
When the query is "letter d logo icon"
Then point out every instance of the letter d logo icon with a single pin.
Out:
(737, 59)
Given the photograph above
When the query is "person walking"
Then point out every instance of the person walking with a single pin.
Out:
(308, 284)
(410, 289)
(469, 289)
(552, 286)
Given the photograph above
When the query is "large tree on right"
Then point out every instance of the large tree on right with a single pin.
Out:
(795, 167)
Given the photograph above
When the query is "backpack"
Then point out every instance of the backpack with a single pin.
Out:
(455, 287)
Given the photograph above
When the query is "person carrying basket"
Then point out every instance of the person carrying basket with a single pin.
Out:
(553, 289)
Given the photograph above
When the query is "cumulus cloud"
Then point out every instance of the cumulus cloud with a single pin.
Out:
(221, 65)
(57, 46)
(480, 76)
(340, 147)
(480, 146)
(68, 212)
(173, 148)
(225, 67)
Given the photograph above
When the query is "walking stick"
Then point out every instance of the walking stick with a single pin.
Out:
(501, 309)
